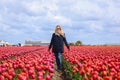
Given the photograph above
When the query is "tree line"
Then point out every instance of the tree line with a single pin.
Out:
(77, 43)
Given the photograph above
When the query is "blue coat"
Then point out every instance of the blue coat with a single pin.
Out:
(57, 43)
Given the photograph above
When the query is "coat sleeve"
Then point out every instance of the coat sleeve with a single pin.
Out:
(65, 41)
(51, 42)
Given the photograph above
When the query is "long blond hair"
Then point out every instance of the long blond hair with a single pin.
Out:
(59, 31)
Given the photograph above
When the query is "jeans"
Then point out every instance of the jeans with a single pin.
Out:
(58, 57)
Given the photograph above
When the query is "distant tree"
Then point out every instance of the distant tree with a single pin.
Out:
(19, 44)
(71, 44)
(78, 43)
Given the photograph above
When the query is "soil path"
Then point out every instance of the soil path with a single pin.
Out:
(57, 75)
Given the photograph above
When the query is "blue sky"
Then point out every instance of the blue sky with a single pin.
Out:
(91, 21)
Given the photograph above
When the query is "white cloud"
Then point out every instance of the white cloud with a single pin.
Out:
(113, 14)
(7, 1)
(34, 7)
(41, 7)
(87, 9)
(4, 27)
(114, 30)
(94, 26)
(8, 30)
(59, 19)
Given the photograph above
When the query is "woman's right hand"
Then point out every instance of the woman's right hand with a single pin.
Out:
(48, 50)
(68, 48)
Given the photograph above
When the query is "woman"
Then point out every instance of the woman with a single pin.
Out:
(57, 44)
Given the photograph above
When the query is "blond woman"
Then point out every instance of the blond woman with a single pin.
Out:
(57, 44)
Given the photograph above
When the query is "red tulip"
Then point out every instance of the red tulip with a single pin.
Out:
(108, 78)
(2, 77)
(48, 77)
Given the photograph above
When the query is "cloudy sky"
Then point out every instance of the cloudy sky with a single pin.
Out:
(91, 21)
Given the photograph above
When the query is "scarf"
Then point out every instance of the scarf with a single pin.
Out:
(59, 32)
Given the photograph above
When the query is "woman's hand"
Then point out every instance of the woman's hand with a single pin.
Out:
(69, 48)
(48, 50)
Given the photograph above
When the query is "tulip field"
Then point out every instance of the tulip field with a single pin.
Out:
(26, 63)
(80, 63)
(93, 63)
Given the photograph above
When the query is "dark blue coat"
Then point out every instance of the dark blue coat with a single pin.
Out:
(57, 43)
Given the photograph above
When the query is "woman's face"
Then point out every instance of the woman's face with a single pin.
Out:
(58, 28)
